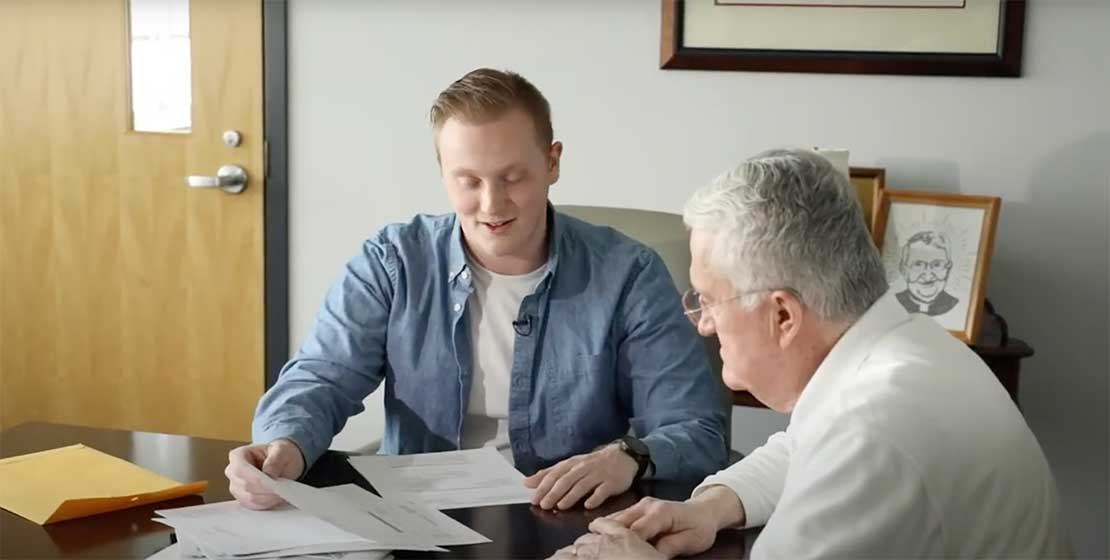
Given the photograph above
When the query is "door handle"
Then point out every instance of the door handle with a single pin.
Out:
(231, 178)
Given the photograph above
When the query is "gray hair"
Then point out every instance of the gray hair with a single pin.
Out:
(787, 219)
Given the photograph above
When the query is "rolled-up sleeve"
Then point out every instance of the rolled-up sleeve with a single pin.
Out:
(679, 409)
(340, 363)
(757, 480)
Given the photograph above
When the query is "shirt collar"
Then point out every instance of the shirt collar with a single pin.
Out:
(456, 251)
(849, 352)
(556, 230)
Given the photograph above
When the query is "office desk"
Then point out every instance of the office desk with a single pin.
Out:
(517, 531)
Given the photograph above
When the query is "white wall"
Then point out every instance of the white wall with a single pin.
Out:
(362, 75)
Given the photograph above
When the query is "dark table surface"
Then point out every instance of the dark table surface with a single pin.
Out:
(517, 531)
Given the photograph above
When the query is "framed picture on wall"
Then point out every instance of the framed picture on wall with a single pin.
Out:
(936, 249)
(936, 37)
(870, 183)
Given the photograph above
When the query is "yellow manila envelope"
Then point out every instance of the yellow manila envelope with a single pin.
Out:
(78, 481)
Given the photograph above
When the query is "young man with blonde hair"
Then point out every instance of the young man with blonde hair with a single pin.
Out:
(503, 324)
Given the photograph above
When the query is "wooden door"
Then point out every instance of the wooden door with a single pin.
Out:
(128, 300)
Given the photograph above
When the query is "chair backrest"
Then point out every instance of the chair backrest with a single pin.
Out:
(662, 231)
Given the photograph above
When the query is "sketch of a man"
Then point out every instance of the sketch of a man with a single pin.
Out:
(926, 263)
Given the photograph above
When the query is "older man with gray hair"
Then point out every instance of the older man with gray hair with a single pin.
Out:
(901, 442)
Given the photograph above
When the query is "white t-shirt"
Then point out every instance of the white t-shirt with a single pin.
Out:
(493, 306)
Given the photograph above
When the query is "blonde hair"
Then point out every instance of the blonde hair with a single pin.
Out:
(485, 94)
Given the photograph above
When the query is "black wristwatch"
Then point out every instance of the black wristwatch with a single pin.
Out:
(639, 452)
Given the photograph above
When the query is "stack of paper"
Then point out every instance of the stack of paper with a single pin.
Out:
(177, 551)
(78, 481)
(446, 480)
(349, 523)
(343, 522)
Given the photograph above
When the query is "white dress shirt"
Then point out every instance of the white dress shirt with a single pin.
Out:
(903, 444)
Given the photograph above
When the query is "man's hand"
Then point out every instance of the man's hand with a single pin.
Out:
(680, 528)
(278, 459)
(603, 473)
(611, 541)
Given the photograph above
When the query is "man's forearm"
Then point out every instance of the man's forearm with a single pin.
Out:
(724, 504)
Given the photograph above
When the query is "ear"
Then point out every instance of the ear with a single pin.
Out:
(553, 156)
(788, 316)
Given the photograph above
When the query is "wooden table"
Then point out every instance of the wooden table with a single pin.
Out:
(517, 531)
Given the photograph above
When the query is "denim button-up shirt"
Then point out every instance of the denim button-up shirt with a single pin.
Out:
(601, 346)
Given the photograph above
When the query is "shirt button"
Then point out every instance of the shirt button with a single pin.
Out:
(466, 275)
(458, 307)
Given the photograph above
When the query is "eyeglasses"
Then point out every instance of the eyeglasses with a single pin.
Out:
(693, 303)
(936, 266)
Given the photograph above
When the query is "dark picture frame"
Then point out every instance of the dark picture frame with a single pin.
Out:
(1004, 62)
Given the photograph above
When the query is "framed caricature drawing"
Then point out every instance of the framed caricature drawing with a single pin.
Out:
(936, 249)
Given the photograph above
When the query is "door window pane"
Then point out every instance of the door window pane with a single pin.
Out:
(161, 71)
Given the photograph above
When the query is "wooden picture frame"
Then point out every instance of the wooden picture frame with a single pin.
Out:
(932, 46)
(936, 249)
(869, 183)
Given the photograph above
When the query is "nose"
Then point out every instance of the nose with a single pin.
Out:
(705, 325)
(493, 199)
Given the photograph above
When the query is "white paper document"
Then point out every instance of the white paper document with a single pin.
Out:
(397, 522)
(335, 522)
(447, 480)
(232, 529)
(181, 550)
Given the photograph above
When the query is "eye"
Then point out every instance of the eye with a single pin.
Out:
(514, 178)
(469, 182)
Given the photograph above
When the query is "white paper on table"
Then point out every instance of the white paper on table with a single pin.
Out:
(446, 480)
(190, 547)
(397, 523)
(184, 549)
(232, 529)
